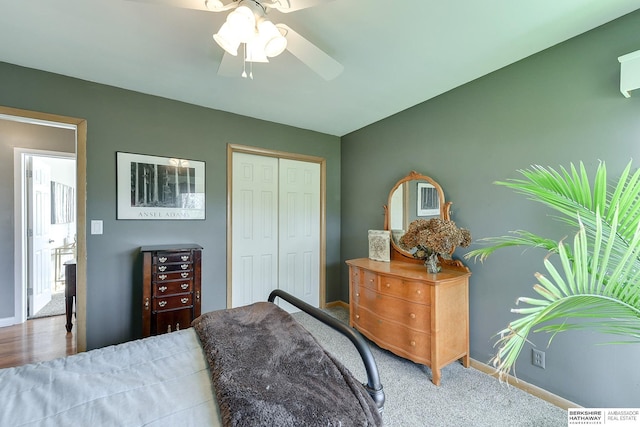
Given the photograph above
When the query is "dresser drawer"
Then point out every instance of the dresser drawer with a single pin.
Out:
(166, 268)
(172, 302)
(369, 279)
(172, 257)
(416, 316)
(172, 275)
(170, 288)
(390, 334)
(406, 289)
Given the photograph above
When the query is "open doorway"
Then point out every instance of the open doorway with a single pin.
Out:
(13, 310)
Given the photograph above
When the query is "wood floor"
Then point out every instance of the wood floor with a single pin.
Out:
(36, 340)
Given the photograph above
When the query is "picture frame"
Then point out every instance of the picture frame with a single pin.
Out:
(63, 203)
(379, 245)
(428, 200)
(159, 188)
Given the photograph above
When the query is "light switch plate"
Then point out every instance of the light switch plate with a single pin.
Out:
(96, 226)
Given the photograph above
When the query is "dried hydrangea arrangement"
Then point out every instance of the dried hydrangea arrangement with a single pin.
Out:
(427, 238)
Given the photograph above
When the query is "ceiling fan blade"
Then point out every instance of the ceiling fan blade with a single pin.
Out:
(286, 6)
(314, 58)
(208, 5)
(230, 66)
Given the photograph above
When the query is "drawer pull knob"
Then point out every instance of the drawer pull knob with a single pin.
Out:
(162, 276)
(162, 268)
(357, 294)
(419, 292)
(197, 295)
(162, 288)
(388, 285)
(184, 285)
(184, 300)
(184, 275)
(357, 316)
(184, 257)
(146, 303)
(162, 259)
(412, 315)
(413, 343)
(184, 266)
(162, 303)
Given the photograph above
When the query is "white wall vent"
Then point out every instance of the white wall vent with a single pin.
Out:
(629, 72)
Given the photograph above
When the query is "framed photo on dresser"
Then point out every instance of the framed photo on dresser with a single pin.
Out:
(161, 188)
(379, 245)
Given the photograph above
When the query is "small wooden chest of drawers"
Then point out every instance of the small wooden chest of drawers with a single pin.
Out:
(171, 283)
(417, 315)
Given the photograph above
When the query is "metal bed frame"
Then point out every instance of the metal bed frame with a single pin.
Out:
(373, 386)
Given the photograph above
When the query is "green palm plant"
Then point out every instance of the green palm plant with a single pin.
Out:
(596, 283)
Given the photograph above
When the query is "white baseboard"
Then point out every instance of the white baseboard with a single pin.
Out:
(525, 386)
(7, 321)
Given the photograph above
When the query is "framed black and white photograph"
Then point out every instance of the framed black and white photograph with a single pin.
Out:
(152, 187)
(428, 200)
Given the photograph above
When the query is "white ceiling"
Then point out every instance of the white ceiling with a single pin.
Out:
(395, 54)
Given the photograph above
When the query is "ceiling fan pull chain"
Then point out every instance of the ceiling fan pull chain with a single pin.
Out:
(244, 61)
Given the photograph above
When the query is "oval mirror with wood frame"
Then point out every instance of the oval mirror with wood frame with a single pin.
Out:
(415, 196)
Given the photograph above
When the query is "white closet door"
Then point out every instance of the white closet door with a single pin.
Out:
(275, 229)
(299, 231)
(254, 228)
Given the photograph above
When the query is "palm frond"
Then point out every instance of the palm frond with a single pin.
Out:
(567, 306)
(596, 285)
(518, 238)
(569, 193)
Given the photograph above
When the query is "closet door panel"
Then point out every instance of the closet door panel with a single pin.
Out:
(299, 254)
(254, 228)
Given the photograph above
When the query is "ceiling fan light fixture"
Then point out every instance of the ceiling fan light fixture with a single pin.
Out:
(243, 22)
(274, 43)
(214, 5)
(227, 39)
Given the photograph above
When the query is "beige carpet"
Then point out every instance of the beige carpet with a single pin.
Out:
(55, 307)
(466, 397)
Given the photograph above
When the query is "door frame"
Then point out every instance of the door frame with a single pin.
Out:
(80, 126)
(236, 148)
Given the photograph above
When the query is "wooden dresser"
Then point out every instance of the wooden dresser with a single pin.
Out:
(171, 296)
(417, 315)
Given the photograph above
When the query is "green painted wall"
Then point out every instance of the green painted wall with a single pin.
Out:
(121, 120)
(559, 106)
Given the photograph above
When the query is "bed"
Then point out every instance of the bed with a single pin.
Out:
(247, 366)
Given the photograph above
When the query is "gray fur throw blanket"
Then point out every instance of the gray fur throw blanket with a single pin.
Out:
(267, 370)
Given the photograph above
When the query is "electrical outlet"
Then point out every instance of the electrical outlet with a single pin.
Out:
(537, 358)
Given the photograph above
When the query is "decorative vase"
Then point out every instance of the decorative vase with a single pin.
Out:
(432, 263)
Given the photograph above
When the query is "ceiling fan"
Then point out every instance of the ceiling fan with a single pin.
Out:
(247, 27)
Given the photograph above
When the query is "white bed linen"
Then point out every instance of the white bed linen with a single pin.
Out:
(158, 381)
